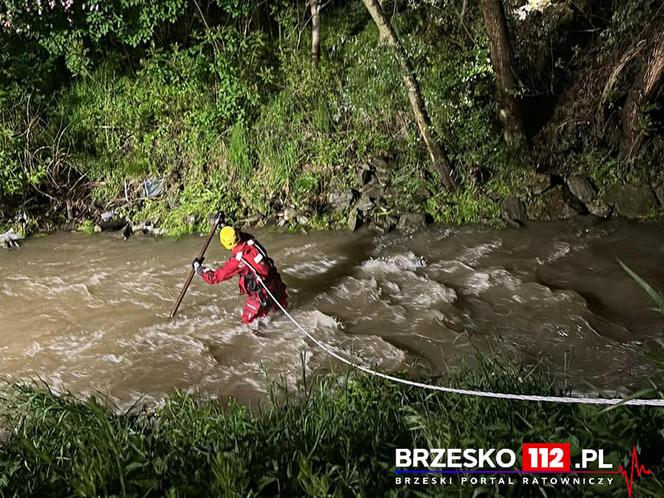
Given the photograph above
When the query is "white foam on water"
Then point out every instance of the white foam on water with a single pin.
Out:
(473, 254)
(357, 290)
(98, 278)
(311, 267)
(172, 345)
(477, 283)
(299, 249)
(73, 345)
(370, 350)
(113, 358)
(560, 250)
(34, 349)
(397, 263)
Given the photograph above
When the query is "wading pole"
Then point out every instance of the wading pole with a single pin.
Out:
(215, 224)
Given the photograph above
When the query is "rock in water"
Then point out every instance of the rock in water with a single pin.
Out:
(600, 208)
(659, 193)
(514, 211)
(581, 188)
(354, 219)
(411, 222)
(631, 201)
(127, 231)
(550, 206)
(112, 220)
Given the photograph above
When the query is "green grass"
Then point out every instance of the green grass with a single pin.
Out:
(227, 136)
(87, 226)
(255, 127)
(334, 438)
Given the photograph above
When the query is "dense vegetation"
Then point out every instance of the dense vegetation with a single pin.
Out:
(222, 100)
(335, 439)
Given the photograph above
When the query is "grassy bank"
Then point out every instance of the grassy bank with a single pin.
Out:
(220, 100)
(335, 439)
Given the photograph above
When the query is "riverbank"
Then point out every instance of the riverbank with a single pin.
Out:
(334, 438)
(365, 202)
(152, 126)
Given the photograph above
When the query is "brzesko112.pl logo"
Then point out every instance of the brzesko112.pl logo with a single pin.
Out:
(541, 464)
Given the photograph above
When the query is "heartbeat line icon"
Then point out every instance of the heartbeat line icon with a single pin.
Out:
(634, 466)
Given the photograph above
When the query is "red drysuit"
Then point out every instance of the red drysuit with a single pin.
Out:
(249, 252)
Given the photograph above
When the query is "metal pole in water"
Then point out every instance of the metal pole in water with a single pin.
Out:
(187, 282)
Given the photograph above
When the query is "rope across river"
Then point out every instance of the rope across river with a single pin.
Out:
(453, 390)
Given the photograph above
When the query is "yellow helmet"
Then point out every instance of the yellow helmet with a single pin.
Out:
(228, 237)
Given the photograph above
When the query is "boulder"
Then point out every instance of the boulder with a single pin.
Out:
(138, 228)
(111, 220)
(513, 210)
(550, 206)
(422, 194)
(365, 204)
(249, 221)
(341, 201)
(289, 214)
(411, 222)
(373, 190)
(631, 201)
(581, 188)
(659, 193)
(600, 208)
(127, 231)
(354, 220)
(386, 224)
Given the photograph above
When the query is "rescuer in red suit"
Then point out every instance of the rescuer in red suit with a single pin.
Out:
(249, 260)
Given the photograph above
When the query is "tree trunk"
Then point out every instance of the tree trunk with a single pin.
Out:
(643, 90)
(501, 59)
(464, 10)
(382, 38)
(314, 5)
(439, 160)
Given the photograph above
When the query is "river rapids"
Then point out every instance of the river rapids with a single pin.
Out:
(89, 314)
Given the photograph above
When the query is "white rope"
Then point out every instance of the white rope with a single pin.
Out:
(454, 390)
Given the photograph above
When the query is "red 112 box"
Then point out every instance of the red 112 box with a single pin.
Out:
(545, 457)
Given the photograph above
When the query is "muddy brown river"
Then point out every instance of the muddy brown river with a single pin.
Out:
(90, 313)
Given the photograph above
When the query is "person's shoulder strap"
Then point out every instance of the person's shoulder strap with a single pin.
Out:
(259, 247)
